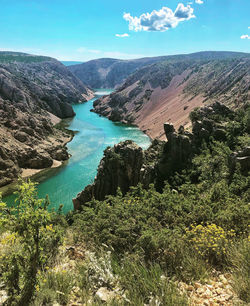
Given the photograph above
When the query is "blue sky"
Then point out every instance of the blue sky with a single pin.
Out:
(82, 30)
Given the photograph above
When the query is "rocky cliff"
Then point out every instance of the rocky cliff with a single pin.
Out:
(40, 82)
(170, 89)
(126, 164)
(35, 92)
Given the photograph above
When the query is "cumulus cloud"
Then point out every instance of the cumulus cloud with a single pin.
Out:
(161, 20)
(245, 36)
(122, 35)
(199, 1)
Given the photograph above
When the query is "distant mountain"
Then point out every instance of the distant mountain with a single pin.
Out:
(34, 92)
(110, 73)
(70, 63)
(168, 90)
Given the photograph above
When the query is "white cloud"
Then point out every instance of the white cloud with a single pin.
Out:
(86, 50)
(161, 20)
(245, 36)
(199, 1)
(249, 28)
(122, 35)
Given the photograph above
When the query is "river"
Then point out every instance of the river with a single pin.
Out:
(94, 134)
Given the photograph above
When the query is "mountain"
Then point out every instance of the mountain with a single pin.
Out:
(35, 91)
(168, 90)
(40, 81)
(108, 72)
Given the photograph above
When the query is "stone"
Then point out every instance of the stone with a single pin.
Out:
(190, 288)
(20, 136)
(104, 294)
(168, 128)
(200, 290)
(197, 285)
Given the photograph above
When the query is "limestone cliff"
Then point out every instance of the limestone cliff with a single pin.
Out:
(126, 164)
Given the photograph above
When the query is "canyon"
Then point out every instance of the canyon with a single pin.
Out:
(36, 92)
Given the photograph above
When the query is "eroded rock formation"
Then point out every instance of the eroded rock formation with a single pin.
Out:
(126, 164)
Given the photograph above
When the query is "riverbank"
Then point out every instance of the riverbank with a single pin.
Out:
(62, 139)
(92, 135)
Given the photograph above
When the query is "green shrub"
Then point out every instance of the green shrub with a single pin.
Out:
(31, 238)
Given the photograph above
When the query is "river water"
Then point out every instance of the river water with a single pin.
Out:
(94, 134)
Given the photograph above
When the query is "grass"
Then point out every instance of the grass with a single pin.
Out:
(239, 259)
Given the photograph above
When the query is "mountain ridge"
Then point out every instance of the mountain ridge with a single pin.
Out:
(110, 72)
(170, 89)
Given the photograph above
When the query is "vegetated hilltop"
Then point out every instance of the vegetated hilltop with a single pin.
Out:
(170, 89)
(35, 92)
(109, 72)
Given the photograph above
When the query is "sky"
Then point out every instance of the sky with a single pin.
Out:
(81, 30)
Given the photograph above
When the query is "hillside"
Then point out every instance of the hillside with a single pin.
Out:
(40, 82)
(108, 72)
(111, 73)
(35, 92)
(170, 89)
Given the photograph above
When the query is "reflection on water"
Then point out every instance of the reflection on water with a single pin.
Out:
(94, 134)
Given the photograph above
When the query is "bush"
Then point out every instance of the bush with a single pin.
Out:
(210, 241)
(31, 238)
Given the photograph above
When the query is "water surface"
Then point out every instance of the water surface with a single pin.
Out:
(94, 134)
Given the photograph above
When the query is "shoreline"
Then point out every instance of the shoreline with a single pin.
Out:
(40, 175)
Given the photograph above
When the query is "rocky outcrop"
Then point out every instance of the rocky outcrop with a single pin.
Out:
(243, 159)
(170, 89)
(126, 164)
(120, 167)
(27, 140)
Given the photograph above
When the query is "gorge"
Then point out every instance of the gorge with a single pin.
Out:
(156, 90)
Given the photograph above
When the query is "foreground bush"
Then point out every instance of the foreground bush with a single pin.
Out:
(32, 236)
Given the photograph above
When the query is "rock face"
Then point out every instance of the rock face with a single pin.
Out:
(126, 164)
(120, 167)
(27, 140)
(33, 89)
(45, 84)
(167, 91)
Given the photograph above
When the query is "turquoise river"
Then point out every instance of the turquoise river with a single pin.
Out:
(94, 134)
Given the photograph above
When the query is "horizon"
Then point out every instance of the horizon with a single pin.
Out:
(86, 31)
(112, 58)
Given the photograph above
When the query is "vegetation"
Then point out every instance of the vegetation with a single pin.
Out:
(30, 240)
(10, 57)
(140, 246)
